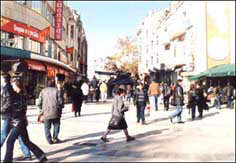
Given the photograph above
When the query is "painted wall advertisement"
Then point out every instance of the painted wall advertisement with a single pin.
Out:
(218, 33)
(58, 19)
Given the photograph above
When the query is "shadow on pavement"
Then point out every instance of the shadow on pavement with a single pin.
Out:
(204, 116)
(157, 120)
(93, 150)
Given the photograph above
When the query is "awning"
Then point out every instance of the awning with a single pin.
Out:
(217, 71)
(35, 65)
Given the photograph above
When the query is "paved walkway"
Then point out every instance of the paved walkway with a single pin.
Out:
(209, 139)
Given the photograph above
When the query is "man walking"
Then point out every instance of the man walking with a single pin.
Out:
(153, 93)
(179, 101)
(51, 102)
(229, 93)
(6, 107)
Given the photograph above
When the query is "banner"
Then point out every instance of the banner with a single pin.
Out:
(58, 20)
(24, 30)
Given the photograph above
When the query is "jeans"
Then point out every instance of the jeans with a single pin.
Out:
(14, 133)
(5, 129)
(47, 127)
(193, 109)
(153, 102)
(177, 113)
(228, 101)
(218, 105)
(140, 111)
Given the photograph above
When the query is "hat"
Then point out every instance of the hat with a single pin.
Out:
(179, 79)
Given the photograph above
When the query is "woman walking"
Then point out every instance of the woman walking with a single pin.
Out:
(118, 121)
(192, 100)
(19, 124)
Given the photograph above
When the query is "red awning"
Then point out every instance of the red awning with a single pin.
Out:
(35, 65)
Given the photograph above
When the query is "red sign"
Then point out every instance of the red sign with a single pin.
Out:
(58, 20)
(34, 65)
(70, 50)
(24, 30)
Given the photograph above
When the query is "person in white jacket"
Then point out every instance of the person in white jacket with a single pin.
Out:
(85, 90)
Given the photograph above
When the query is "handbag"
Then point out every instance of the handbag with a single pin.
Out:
(41, 118)
(114, 122)
(124, 109)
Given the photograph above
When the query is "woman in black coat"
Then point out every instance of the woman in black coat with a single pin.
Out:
(118, 121)
(77, 99)
(201, 100)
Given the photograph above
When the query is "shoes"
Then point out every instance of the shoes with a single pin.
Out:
(171, 120)
(143, 122)
(50, 142)
(25, 159)
(130, 138)
(180, 122)
(104, 139)
(43, 159)
(55, 141)
(137, 121)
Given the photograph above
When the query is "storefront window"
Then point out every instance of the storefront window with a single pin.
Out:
(11, 40)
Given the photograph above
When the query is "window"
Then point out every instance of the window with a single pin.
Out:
(11, 40)
(23, 2)
(151, 60)
(67, 29)
(72, 31)
(34, 46)
(37, 5)
(63, 33)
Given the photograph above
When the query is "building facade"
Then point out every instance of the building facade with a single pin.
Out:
(187, 37)
(27, 34)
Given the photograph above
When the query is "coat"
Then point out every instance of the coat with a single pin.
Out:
(154, 89)
(201, 100)
(6, 101)
(51, 102)
(117, 114)
(18, 113)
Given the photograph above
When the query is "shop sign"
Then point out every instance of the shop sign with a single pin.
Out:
(24, 30)
(58, 19)
(70, 50)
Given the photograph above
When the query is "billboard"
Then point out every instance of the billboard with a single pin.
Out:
(218, 33)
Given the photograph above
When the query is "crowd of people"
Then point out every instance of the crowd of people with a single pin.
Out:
(142, 94)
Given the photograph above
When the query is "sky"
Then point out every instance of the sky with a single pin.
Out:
(104, 22)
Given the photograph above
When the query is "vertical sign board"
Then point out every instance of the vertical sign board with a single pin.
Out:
(58, 20)
(218, 33)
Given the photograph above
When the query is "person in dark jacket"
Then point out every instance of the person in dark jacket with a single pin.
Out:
(201, 99)
(229, 91)
(141, 101)
(179, 101)
(166, 96)
(6, 107)
(192, 102)
(19, 123)
(77, 99)
(118, 121)
(51, 103)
